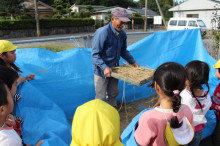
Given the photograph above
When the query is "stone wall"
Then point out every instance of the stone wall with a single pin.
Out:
(7, 34)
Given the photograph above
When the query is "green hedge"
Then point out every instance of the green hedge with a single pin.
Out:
(45, 23)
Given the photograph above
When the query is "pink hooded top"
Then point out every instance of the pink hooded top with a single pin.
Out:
(152, 125)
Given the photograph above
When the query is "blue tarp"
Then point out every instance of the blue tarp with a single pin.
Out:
(64, 80)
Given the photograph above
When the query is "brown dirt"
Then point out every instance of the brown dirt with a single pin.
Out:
(133, 108)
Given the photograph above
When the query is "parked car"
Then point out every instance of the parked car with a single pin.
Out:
(187, 23)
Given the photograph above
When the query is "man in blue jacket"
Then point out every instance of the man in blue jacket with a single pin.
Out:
(109, 43)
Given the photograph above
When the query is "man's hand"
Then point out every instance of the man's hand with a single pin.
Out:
(136, 64)
(107, 72)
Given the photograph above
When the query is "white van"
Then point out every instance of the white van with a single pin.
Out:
(186, 23)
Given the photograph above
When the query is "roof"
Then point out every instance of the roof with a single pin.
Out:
(142, 11)
(95, 7)
(110, 8)
(190, 5)
(41, 6)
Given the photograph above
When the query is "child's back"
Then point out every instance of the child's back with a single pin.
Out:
(198, 112)
(168, 80)
(152, 125)
(196, 97)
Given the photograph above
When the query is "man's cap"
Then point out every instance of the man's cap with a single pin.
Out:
(6, 46)
(121, 14)
(217, 65)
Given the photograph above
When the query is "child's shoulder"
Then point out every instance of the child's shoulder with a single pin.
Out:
(151, 114)
(9, 137)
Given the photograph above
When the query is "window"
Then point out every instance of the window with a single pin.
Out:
(182, 23)
(173, 22)
(192, 15)
(201, 23)
(192, 23)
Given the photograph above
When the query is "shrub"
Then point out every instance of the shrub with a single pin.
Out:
(45, 23)
(57, 16)
(99, 23)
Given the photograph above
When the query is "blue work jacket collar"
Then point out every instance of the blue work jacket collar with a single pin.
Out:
(112, 28)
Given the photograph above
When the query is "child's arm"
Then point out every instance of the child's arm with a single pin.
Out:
(30, 77)
(215, 107)
(11, 122)
(20, 80)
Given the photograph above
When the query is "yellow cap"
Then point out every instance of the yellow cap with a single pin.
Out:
(6, 46)
(217, 65)
(96, 123)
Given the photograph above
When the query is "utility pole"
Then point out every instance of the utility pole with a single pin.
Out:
(161, 13)
(37, 18)
(145, 17)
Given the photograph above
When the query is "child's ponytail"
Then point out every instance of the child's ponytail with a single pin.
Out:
(198, 75)
(171, 78)
(176, 100)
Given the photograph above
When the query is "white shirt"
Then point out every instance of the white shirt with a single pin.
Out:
(9, 137)
(198, 114)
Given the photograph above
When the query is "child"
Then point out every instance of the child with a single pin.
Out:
(9, 77)
(216, 106)
(8, 57)
(197, 98)
(96, 123)
(8, 136)
(169, 81)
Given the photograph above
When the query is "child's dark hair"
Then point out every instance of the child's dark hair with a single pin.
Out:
(8, 76)
(12, 64)
(171, 77)
(3, 94)
(198, 75)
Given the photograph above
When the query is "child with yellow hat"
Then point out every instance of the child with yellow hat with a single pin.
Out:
(96, 123)
(7, 58)
(216, 106)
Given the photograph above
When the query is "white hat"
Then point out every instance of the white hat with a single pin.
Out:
(185, 133)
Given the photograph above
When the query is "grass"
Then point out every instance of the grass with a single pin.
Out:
(53, 47)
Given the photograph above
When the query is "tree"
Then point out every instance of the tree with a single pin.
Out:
(121, 3)
(11, 7)
(51, 2)
(89, 7)
(62, 6)
(164, 4)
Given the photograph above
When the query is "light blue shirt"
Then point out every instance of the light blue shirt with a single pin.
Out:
(107, 49)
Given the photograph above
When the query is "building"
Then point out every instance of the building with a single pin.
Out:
(202, 9)
(150, 13)
(44, 10)
(78, 8)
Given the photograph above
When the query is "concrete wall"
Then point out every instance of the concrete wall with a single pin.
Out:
(7, 34)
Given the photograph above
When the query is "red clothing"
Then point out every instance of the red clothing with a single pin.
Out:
(18, 128)
(216, 101)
